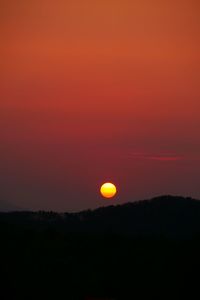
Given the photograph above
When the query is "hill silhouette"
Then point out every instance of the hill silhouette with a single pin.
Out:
(6, 206)
(166, 215)
(144, 250)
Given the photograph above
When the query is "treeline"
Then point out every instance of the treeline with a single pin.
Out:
(50, 256)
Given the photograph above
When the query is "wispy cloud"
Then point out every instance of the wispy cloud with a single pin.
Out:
(164, 156)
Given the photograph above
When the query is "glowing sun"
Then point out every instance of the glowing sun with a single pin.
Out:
(108, 190)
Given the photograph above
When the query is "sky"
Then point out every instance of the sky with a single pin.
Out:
(94, 91)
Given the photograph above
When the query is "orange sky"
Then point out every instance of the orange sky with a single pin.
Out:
(94, 91)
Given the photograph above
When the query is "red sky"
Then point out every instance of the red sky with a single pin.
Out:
(94, 91)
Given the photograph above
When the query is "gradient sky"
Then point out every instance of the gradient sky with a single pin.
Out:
(94, 91)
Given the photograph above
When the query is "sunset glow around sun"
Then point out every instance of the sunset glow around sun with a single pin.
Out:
(108, 190)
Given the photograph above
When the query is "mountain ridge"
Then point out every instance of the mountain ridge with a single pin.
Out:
(6, 206)
(144, 250)
(167, 215)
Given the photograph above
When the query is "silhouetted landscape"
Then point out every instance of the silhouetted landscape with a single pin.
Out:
(148, 249)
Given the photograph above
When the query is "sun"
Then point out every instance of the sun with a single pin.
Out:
(108, 190)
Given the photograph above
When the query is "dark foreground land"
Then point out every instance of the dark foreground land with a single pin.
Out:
(145, 250)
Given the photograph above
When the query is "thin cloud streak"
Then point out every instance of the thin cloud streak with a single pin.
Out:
(158, 156)
(166, 158)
